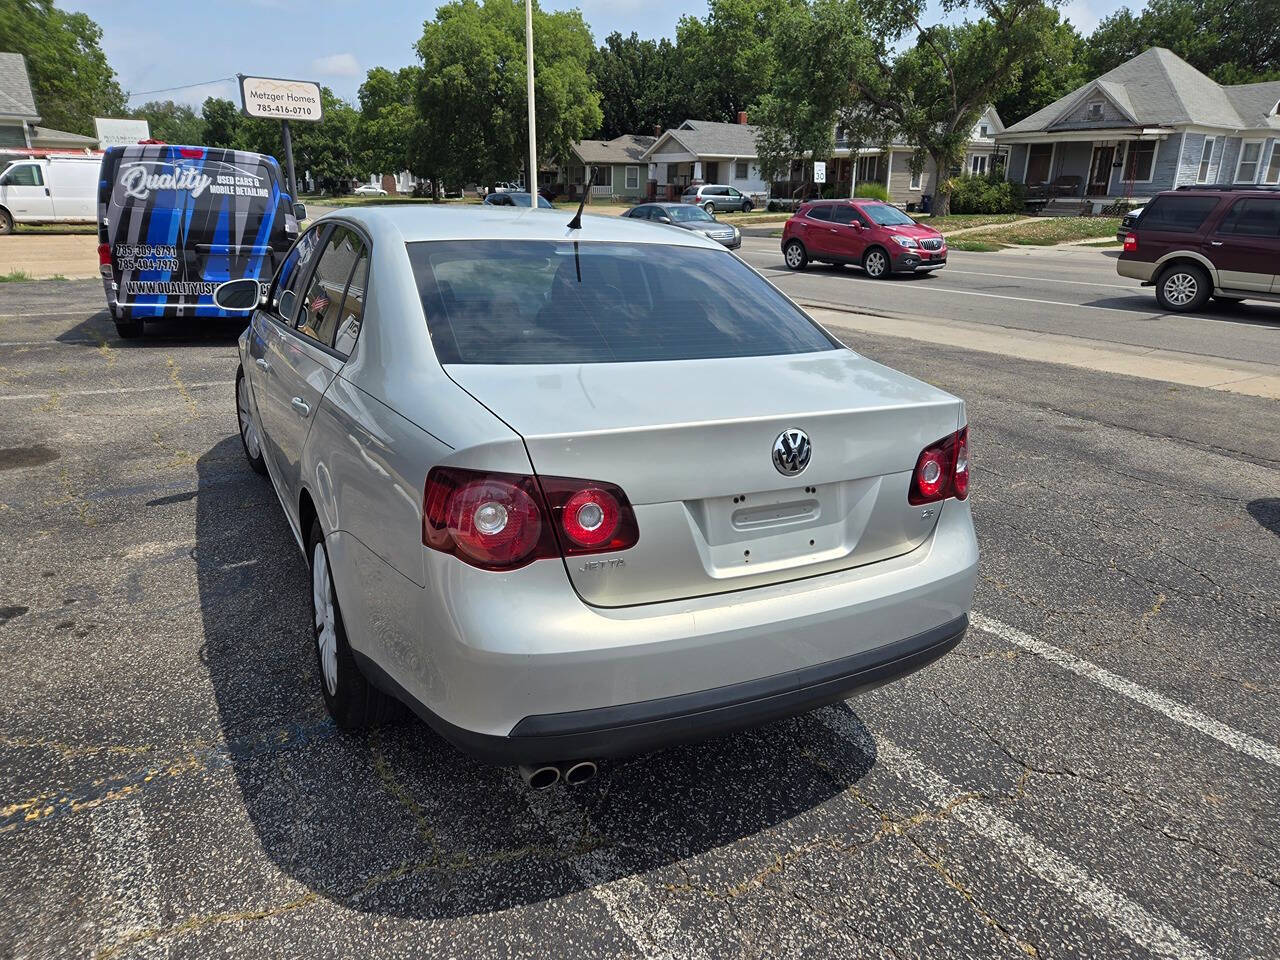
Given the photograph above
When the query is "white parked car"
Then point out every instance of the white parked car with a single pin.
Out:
(582, 490)
(369, 190)
(49, 190)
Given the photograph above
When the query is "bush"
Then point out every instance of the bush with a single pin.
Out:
(989, 193)
(872, 191)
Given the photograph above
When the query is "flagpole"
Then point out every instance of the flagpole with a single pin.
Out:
(532, 184)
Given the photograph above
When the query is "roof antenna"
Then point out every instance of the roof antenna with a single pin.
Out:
(576, 222)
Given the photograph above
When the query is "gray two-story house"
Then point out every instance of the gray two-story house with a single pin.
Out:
(1151, 124)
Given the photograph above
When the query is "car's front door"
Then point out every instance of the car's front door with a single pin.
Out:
(26, 192)
(302, 356)
(848, 237)
(1245, 245)
(734, 199)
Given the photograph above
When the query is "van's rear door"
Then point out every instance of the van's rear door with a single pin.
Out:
(184, 219)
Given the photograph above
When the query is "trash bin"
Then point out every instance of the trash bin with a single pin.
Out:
(926, 203)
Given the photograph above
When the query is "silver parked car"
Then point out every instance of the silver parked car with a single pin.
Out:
(718, 196)
(581, 492)
(688, 218)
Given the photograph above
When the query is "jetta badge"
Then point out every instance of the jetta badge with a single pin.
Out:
(791, 452)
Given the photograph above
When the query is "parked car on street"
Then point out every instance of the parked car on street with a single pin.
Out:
(688, 218)
(584, 489)
(516, 199)
(1196, 242)
(49, 190)
(369, 190)
(714, 197)
(504, 186)
(876, 236)
(1129, 221)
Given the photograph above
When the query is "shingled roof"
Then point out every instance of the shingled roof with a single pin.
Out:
(628, 148)
(710, 138)
(16, 100)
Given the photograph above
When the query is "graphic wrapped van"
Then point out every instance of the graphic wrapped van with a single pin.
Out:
(174, 222)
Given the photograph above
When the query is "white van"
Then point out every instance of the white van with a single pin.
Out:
(49, 190)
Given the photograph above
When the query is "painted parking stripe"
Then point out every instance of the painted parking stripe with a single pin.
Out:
(1129, 918)
(1179, 713)
(1132, 288)
(110, 391)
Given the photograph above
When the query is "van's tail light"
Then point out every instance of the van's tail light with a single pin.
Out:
(942, 470)
(502, 521)
(1130, 243)
(191, 153)
(104, 260)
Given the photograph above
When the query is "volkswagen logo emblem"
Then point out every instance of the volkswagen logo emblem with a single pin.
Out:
(791, 452)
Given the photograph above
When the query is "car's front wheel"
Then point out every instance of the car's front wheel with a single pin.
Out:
(794, 255)
(1183, 287)
(352, 701)
(6, 221)
(876, 263)
(250, 435)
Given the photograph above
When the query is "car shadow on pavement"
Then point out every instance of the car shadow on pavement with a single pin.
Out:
(97, 329)
(1267, 512)
(396, 821)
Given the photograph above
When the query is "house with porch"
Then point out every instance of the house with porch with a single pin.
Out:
(620, 168)
(1151, 124)
(705, 151)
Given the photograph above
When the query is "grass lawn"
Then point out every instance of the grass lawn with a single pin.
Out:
(1047, 231)
(754, 218)
(973, 246)
(82, 228)
(963, 221)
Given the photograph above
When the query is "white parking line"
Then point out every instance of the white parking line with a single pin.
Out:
(1126, 916)
(122, 850)
(1179, 713)
(108, 391)
(1014, 276)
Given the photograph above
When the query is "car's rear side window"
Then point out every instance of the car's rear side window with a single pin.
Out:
(502, 301)
(820, 212)
(1253, 217)
(1177, 214)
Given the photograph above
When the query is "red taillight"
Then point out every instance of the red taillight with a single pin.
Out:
(104, 259)
(942, 470)
(501, 521)
(191, 153)
(1130, 243)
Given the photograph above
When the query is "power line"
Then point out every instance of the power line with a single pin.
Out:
(185, 86)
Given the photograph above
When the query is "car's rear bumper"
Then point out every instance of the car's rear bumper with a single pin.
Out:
(1142, 270)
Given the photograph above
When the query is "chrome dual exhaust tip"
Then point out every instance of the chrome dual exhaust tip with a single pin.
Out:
(544, 775)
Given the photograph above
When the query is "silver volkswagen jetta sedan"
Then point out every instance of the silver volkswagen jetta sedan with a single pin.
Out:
(581, 492)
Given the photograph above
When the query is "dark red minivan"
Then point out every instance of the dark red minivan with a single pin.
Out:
(875, 235)
(1194, 243)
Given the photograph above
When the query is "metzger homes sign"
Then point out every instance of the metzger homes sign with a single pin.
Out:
(277, 99)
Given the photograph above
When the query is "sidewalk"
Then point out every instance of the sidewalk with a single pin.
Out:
(40, 256)
(1167, 366)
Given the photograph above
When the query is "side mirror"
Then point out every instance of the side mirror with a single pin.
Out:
(300, 211)
(664, 219)
(243, 294)
(288, 300)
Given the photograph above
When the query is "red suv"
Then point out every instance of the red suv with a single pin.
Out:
(878, 237)
(1194, 243)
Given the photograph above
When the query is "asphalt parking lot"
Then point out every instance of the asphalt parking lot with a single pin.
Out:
(1094, 772)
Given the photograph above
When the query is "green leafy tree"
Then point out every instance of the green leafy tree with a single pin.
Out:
(1233, 41)
(171, 122)
(221, 122)
(70, 76)
(642, 85)
(385, 129)
(472, 92)
(932, 94)
(1059, 68)
(728, 58)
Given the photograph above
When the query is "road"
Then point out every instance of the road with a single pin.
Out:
(1094, 772)
(1071, 290)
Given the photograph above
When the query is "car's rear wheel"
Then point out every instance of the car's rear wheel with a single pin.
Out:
(876, 262)
(128, 329)
(709, 206)
(250, 435)
(795, 256)
(1183, 287)
(747, 206)
(352, 701)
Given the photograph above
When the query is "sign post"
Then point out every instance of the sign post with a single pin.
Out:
(275, 99)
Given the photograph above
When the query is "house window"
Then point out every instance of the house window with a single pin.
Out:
(915, 179)
(869, 168)
(740, 170)
(1247, 168)
(1039, 164)
(984, 131)
(633, 178)
(1206, 156)
(1273, 168)
(978, 164)
(578, 175)
(604, 176)
(1140, 161)
(1095, 110)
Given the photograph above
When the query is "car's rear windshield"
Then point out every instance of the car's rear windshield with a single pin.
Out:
(887, 216)
(509, 301)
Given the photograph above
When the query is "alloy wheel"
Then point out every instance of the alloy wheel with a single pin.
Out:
(876, 264)
(248, 427)
(794, 256)
(325, 618)
(1181, 288)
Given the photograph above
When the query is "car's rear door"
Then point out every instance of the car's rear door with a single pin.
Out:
(1245, 244)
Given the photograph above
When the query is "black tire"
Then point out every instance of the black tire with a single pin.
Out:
(710, 207)
(794, 255)
(747, 206)
(128, 329)
(353, 702)
(6, 222)
(1183, 287)
(876, 263)
(250, 432)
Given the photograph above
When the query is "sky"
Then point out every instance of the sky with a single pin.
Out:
(156, 45)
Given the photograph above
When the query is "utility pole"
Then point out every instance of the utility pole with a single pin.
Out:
(532, 184)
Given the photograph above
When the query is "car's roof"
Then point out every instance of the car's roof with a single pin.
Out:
(416, 222)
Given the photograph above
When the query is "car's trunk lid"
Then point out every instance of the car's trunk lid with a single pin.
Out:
(691, 443)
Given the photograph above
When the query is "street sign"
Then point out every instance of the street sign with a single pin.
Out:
(277, 99)
(120, 133)
(819, 171)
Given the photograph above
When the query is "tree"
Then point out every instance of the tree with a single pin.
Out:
(642, 85)
(171, 122)
(70, 76)
(472, 91)
(817, 46)
(221, 122)
(385, 129)
(932, 94)
(1059, 69)
(1233, 41)
(728, 59)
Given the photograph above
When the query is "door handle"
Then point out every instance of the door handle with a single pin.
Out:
(1215, 243)
(833, 229)
(301, 406)
(262, 362)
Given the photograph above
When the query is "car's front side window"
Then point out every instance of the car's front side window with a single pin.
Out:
(24, 175)
(294, 268)
(321, 308)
